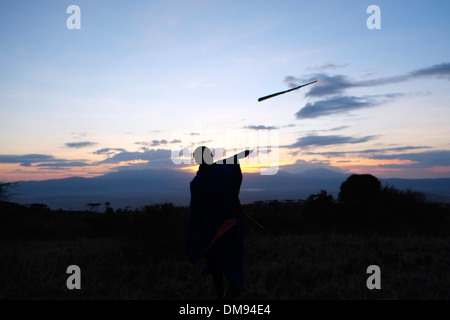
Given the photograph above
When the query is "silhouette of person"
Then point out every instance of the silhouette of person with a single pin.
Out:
(215, 229)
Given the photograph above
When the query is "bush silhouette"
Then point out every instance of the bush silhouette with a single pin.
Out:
(320, 202)
(360, 189)
(407, 198)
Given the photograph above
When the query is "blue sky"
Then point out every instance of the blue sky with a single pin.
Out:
(140, 77)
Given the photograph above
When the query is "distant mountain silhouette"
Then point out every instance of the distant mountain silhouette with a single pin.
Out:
(123, 188)
(322, 173)
(136, 188)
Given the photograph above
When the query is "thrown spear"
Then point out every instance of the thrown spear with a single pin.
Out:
(282, 92)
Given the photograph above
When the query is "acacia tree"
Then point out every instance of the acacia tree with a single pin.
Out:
(5, 187)
(93, 206)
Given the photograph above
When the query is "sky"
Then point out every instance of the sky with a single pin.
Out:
(142, 83)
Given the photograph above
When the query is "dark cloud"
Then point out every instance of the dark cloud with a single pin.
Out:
(291, 81)
(164, 163)
(155, 158)
(302, 166)
(108, 150)
(315, 132)
(366, 151)
(157, 143)
(381, 81)
(314, 141)
(81, 144)
(62, 164)
(160, 158)
(147, 155)
(439, 71)
(325, 85)
(421, 160)
(26, 160)
(337, 84)
(328, 66)
(341, 104)
(339, 128)
(260, 127)
(41, 161)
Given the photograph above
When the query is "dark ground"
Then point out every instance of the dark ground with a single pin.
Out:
(317, 249)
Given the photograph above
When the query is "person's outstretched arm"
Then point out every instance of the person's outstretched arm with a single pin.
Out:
(234, 159)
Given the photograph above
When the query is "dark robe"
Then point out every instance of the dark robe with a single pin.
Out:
(215, 229)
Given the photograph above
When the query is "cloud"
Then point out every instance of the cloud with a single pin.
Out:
(302, 165)
(325, 85)
(421, 160)
(41, 161)
(156, 143)
(26, 160)
(315, 132)
(339, 128)
(328, 66)
(108, 151)
(260, 127)
(155, 158)
(62, 164)
(147, 155)
(366, 151)
(314, 141)
(341, 104)
(337, 84)
(81, 144)
(439, 71)
(160, 158)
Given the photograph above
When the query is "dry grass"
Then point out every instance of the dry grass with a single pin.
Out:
(314, 266)
(140, 255)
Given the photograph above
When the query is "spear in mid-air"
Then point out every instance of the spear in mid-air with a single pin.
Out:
(278, 93)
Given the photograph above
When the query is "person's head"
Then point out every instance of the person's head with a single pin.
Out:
(203, 155)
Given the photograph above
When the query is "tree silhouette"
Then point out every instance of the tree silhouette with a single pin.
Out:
(360, 189)
(93, 206)
(4, 189)
(321, 199)
(108, 208)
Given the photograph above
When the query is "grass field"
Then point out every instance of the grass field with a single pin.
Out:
(311, 252)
